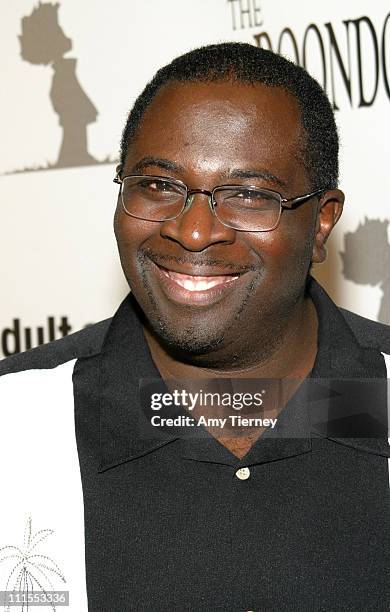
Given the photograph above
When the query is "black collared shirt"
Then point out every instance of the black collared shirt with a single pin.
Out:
(169, 525)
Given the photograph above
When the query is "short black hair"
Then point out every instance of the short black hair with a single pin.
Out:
(245, 63)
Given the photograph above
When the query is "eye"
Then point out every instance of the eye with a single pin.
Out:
(158, 190)
(157, 186)
(249, 198)
(254, 195)
(248, 194)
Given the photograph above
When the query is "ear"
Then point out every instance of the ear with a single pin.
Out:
(329, 211)
(118, 169)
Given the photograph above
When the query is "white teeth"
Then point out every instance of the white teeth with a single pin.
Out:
(198, 283)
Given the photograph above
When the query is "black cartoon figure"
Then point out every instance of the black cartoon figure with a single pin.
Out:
(44, 42)
(366, 259)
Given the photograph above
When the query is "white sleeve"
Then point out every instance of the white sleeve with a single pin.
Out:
(42, 513)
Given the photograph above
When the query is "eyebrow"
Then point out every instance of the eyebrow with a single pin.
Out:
(260, 173)
(164, 164)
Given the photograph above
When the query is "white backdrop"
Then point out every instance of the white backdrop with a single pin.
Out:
(59, 265)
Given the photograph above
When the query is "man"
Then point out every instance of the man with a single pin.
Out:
(228, 194)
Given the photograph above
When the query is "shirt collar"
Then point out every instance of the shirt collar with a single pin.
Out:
(125, 359)
(341, 357)
(339, 353)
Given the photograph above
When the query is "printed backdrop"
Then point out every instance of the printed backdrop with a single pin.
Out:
(72, 70)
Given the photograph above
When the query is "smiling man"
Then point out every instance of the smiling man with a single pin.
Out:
(228, 194)
(211, 281)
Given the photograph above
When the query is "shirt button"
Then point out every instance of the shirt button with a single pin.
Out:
(243, 473)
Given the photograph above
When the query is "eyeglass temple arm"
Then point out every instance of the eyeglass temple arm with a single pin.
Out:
(291, 203)
(117, 179)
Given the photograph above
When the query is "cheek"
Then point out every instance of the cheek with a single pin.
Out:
(288, 245)
(299, 227)
(131, 233)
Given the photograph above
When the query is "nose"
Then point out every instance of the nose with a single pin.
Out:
(197, 227)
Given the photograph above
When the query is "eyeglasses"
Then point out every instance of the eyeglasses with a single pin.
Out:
(241, 207)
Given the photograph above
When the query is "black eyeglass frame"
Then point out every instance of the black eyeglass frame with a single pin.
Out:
(285, 203)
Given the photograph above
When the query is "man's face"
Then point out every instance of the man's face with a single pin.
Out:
(206, 135)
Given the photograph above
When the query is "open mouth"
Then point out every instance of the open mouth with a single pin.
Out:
(198, 283)
(196, 290)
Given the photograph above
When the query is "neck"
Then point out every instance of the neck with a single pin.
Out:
(289, 353)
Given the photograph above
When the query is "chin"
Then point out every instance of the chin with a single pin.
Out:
(190, 341)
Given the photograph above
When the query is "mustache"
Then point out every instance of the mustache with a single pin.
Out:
(161, 258)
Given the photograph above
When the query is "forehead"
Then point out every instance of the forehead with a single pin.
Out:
(221, 123)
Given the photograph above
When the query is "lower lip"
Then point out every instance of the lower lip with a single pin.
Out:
(180, 295)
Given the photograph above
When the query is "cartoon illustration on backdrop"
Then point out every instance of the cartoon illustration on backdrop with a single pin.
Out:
(366, 259)
(43, 42)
